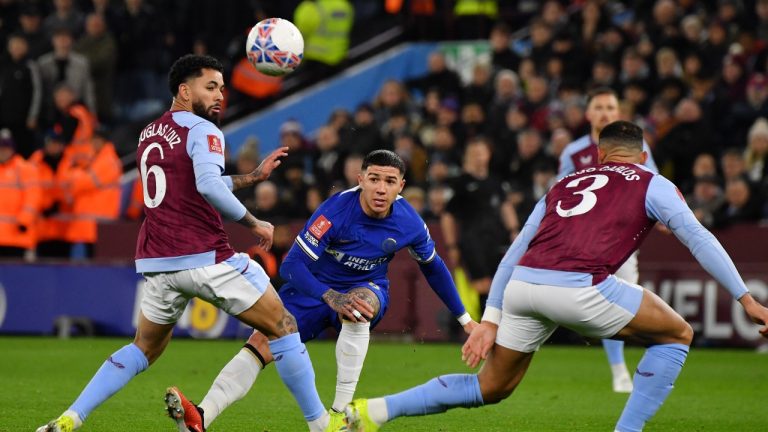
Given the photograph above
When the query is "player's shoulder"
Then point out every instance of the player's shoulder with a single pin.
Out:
(577, 145)
(340, 204)
(404, 214)
(195, 123)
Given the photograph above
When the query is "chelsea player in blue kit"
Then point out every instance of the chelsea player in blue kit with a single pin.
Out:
(336, 275)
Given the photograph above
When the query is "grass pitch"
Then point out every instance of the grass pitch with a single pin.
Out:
(566, 389)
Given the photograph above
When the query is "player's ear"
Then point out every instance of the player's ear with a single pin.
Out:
(184, 91)
(643, 157)
(402, 185)
(600, 155)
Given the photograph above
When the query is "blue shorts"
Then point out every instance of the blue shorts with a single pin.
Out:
(313, 315)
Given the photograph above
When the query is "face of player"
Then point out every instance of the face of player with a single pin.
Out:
(380, 186)
(205, 94)
(602, 110)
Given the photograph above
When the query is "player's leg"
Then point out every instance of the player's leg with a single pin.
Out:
(240, 287)
(669, 337)
(517, 339)
(614, 349)
(235, 380)
(163, 306)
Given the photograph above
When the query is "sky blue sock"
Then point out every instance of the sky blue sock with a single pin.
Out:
(654, 379)
(436, 396)
(114, 374)
(614, 349)
(295, 368)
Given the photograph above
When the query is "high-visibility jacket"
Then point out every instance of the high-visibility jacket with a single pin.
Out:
(51, 227)
(94, 192)
(80, 149)
(325, 25)
(476, 7)
(247, 80)
(136, 203)
(19, 203)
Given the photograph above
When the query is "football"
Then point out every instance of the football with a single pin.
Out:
(275, 46)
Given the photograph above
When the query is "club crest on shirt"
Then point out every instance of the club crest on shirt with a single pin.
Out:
(585, 160)
(214, 145)
(389, 245)
(320, 227)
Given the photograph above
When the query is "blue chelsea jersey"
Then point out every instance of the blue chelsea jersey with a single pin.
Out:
(348, 248)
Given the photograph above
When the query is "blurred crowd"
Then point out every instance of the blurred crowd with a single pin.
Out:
(480, 152)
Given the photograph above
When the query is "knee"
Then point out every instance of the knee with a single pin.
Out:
(261, 344)
(495, 392)
(282, 326)
(685, 334)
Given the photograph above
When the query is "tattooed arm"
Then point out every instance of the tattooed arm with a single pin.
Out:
(261, 173)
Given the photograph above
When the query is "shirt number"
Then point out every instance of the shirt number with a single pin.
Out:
(156, 171)
(588, 199)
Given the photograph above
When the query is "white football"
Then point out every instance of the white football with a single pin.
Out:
(275, 46)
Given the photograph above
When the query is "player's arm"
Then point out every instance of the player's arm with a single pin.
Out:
(566, 164)
(208, 164)
(258, 175)
(665, 204)
(433, 268)
(493, 305)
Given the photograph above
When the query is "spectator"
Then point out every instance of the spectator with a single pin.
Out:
(502, 55)
(74, 121)
(479, 89)
(326, 26)
(94, 193)
(327, 159)
(415, 158)
(438, 76)
(352, 165)
(756, 154)
(530, 154)
(20, 204)
(415, 197)
(741, 204)
(472, 223)
(474, 18)
(733, 164)
(705, 199)
(31, 25)
(21, 91)
(62, 65)
(704, 165)
(437, 199)
(99, 47)
(50, 166)
(292, 136)
(139, 30)
(676, 152)
(365, 135)
(65, 15)
(247, 161)
(265, 201)
(746, 112)
(506, 94)
(392, 96)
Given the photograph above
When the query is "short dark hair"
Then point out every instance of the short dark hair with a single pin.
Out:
(384, 158)
(190, 66)
(599, 91)
(622, 134)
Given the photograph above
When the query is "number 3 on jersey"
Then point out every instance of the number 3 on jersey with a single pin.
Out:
(588, 199)
(159, 177)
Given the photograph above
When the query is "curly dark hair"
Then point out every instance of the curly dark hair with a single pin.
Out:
(190, 66)
(384, 158)
(622, 134)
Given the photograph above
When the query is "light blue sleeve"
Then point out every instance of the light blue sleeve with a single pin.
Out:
(650, 163)
(513, 255)
(205, 146)
(663, 203)
(566, 163)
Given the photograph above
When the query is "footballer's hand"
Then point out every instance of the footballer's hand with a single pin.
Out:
(349, 306)
(468, 327)
(263, 231)
(757, 312)
(269, 163)
(479, 343)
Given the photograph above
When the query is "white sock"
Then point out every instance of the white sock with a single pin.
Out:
(74, 416)
(377, 410)
(231, 385)
(619, 370)
(319, 424)
(351, 348)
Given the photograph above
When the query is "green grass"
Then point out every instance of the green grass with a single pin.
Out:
(566, 389)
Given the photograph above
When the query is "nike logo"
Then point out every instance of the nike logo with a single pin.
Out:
(644, 374)
(443, 383)
(117, 364)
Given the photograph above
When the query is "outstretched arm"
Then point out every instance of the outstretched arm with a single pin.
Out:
(260, 174)
(441, 282)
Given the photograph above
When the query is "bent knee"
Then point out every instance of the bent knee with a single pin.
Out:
(280, 327)
(496, 392)
(260, 343)
(685, 335)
